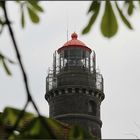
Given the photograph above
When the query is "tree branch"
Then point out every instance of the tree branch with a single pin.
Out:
(29, 97)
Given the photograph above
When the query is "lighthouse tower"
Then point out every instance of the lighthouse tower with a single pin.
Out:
(74, 89)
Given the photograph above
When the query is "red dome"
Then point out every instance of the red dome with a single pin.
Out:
(74, 42)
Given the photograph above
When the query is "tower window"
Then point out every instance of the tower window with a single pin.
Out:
(90, 92)
(77, 90)
(84, 90)
(63, 91)
(69, 90)
(92, 107)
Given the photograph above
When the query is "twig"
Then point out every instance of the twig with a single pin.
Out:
(29, 97)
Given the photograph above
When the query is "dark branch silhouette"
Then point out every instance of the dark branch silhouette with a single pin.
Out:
(25, 79)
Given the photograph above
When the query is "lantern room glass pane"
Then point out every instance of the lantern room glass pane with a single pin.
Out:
(74, 57)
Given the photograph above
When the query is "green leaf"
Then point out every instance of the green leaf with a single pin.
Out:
(10, 116)
(6, 67)
(95, 6)
(22, 18)
(17, 1)
(91, 22)
(2, 24)
(35, 5)
(130, 8)
(124, 19)
(33, 15)
(59, 129)
(3, 60)
(35, 130)
(6, 58)
(109, 25)
(2, 56)
(78, 133)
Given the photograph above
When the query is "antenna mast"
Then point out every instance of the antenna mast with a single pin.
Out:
(67, 29)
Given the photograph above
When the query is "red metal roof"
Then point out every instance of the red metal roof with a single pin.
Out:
(74, 42)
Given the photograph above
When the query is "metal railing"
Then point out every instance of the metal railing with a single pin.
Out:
(51, 81)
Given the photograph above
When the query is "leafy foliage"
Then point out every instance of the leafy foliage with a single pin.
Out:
(33, 8)
(4, 60)
(33, 16)
(130, 7)
(94, 8)
(109, 23)
(31, 127)
(10, 116)
(33, 130)
(124, 19)
(78, 133)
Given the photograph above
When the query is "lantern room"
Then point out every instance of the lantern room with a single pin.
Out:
(71, 61)
(74, 53)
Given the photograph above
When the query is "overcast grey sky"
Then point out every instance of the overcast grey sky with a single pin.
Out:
(118, 59)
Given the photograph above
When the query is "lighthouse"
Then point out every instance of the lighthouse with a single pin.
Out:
(74, 88)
